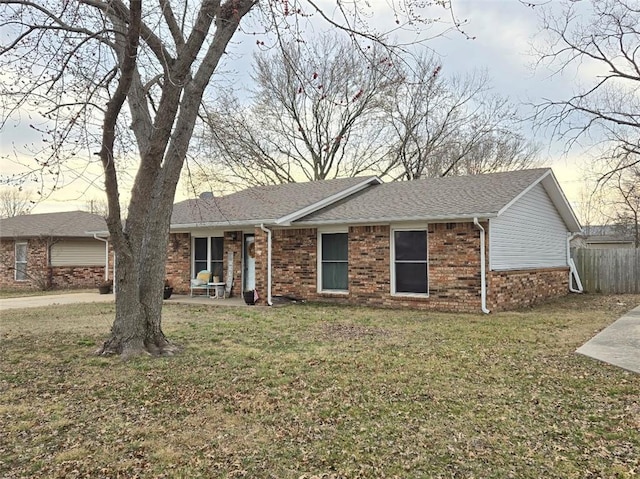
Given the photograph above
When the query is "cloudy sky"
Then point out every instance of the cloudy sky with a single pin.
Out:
(504, 32)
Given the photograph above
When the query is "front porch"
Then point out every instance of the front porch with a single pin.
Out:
(234, 301)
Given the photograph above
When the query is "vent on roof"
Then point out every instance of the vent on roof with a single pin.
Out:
(206, 195)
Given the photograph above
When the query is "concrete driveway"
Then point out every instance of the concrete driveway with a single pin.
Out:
(52, 299)
(619, 344)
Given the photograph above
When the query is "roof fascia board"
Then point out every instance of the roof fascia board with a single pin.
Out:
(558, 197)
(400, 219)
(524, 192)
(552, 187)
(329, 200)
(221, 224)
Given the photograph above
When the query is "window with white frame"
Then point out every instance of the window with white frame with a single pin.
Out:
(410, 261)
(208, 254)
(21, 262)
(334, 262)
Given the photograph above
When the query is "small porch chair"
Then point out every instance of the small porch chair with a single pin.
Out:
(201, 282)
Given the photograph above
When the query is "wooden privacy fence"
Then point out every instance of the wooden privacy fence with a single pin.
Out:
(608, 270)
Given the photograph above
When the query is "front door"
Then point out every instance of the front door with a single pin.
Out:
(249, 261)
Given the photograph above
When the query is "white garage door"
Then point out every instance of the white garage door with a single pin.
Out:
(78, 253)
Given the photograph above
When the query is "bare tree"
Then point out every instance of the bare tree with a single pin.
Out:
(14, 202)
(328, 110)
(316, 114)
(92, 66)
(593, 205)
(97, 206)
(452, 126)
(624, 188)
(604, 111)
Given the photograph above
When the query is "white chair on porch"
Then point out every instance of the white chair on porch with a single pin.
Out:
(201, 282)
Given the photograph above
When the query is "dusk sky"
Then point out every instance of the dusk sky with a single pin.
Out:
(503, 31)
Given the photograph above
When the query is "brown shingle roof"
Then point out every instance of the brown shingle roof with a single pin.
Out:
(262, 203)
(431, 198)
(68, 224)
(367, 201)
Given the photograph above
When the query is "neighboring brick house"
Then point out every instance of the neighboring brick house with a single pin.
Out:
(52, 250)
(411, 244)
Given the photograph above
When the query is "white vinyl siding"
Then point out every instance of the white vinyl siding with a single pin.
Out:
(78, 253)
(529, 234)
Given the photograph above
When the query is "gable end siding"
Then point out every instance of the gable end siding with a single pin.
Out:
(530, 234)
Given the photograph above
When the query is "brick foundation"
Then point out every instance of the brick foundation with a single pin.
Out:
(509, 290)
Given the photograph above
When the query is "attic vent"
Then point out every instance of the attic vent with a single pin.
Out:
(206, 195)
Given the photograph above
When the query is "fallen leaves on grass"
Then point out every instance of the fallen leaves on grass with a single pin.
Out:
(320, 392)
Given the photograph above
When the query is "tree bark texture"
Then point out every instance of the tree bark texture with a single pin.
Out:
(163, 140)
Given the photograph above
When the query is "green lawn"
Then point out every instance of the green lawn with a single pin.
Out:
(319, 392)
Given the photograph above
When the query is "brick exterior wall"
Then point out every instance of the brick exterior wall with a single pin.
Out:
(233, 243)
(518, 289)
(454, 275)
(40, 274)
(369, 273)
(69, 277)
(454, 271)
(453, 255)
(293, 263)
(37, 261)
(178, 267)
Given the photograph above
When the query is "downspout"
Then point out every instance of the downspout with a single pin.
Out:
(106, 255)
(573, 271)
(268, 231)
(483, 268)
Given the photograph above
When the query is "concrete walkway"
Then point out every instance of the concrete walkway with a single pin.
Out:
(72, 298)
(619, 344)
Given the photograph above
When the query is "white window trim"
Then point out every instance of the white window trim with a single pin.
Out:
(323, 231)
(193, 252)
(392, 259)
(15, 260)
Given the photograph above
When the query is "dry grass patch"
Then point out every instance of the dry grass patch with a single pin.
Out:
(319, 391)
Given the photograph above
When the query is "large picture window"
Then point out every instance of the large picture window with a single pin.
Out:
(208, 254)
(21, 262)
(334, 257)
(410, 261)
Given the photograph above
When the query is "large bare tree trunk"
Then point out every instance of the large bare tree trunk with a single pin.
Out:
(89, 59)
(141, 245)
(139, 288)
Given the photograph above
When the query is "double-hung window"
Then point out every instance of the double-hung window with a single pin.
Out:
(208, 254)
(21, 262)
(334, 261)
(410, 261)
